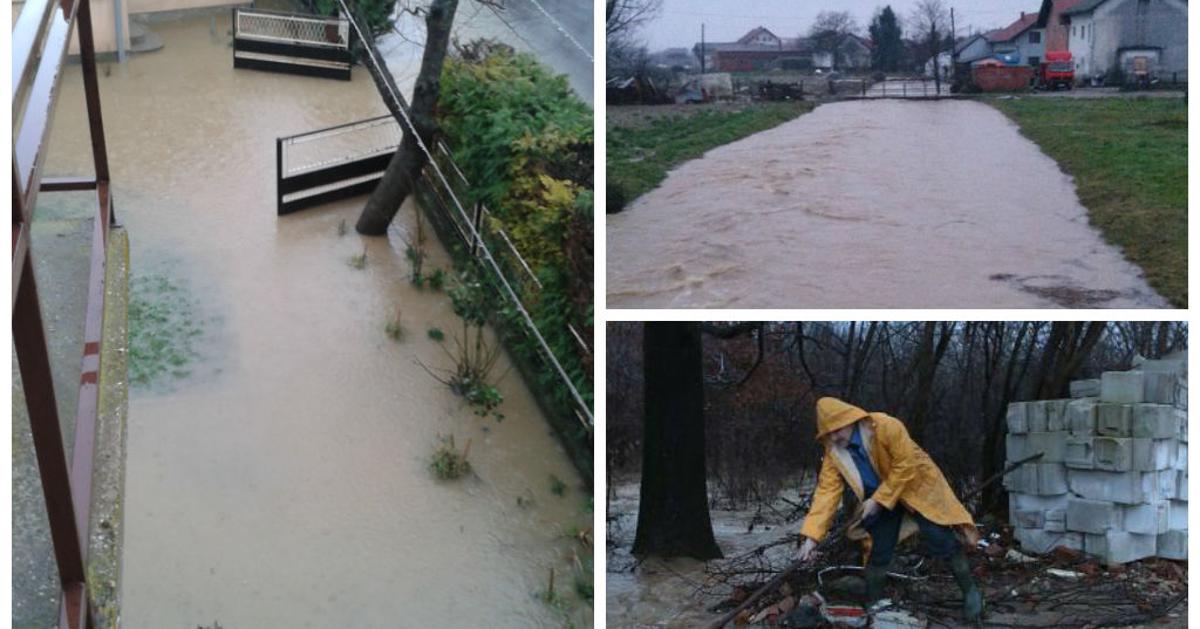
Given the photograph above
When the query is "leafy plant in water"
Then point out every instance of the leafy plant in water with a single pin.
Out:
(359, 261)
(436, 334)
(474, 356)
(437, 279)
(448, 463)
(416, 257)
(394, 328)
(557, 486)
(551, 597)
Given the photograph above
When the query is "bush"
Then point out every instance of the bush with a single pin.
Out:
(525, 141)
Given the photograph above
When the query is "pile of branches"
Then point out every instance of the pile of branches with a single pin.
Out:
(1064, 588)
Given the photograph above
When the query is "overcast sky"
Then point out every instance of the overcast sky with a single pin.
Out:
(679, 22)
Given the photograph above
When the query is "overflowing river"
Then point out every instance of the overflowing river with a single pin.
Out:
(278, 477)
(870, 204)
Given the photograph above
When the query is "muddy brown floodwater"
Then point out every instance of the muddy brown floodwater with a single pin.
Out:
(870, 204)
(281, 480)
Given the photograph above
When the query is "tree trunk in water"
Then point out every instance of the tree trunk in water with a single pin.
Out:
(402, 172)
(673, 515)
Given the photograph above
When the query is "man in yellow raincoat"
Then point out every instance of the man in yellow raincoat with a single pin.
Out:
(901, 490)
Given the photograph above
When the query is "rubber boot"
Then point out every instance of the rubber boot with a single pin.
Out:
(876, 578)
(972, 597)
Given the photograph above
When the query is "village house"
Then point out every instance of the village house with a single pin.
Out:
(760, 49)
(854, 53)
(1134, 37)
(1022, 39)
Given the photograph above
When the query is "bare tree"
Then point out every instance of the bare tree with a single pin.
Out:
(829, 31)
(623, 17)
(929, 22)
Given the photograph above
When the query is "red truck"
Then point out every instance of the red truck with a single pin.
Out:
(1057, 70)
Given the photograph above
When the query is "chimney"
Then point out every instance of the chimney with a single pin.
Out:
(1022, 15)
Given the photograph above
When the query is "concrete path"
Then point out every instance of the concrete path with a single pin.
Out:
(870, 204)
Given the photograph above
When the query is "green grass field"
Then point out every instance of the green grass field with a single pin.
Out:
(1129, 161)
(645, 142)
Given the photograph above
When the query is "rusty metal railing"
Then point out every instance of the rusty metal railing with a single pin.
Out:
(39, 50)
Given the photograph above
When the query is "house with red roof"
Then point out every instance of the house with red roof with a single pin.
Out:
(760, 49)
(1023, 38)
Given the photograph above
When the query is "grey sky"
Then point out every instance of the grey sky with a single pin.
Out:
(679, 22)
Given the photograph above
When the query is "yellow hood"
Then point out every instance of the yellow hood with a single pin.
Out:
(833, 414)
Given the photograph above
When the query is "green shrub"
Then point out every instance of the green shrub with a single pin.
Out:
(524, 140)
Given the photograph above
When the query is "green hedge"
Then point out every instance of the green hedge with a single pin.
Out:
(525, 142)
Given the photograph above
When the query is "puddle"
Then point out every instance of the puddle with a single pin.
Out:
(280, 477)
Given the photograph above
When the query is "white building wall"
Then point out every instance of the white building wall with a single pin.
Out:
(1081, 38)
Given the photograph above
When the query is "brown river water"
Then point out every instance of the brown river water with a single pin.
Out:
(870, 204)
(281, 480)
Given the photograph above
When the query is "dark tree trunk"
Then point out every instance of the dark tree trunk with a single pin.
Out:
(403, 171)
(673, 518)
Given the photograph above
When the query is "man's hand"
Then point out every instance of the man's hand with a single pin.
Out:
(806, 549)
(870, 509)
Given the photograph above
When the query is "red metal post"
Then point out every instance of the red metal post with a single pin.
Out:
(91, 90)
(33, 359)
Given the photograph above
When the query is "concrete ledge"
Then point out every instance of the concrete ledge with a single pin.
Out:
(106, 529)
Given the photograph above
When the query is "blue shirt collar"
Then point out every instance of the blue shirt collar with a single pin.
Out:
(856, 437)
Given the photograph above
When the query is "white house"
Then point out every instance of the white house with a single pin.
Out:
(1129, 35)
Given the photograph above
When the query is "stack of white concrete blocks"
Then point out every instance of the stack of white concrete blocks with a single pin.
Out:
(1113, 478)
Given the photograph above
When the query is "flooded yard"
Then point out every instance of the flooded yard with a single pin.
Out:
(676, 592)
(870, 204)
(278, 459)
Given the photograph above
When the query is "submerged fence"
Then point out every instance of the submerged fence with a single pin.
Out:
(348, 160)
(310, 45)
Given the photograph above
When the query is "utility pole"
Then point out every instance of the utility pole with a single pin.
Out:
(702, 48)
(953, 48)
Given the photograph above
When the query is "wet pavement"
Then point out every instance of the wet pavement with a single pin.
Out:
(557, 32)
(870, 204)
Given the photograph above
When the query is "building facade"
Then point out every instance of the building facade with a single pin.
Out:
(1129, 36)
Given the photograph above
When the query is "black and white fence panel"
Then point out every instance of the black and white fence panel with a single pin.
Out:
(274, 41)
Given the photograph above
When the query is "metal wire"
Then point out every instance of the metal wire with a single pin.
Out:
(487, 254)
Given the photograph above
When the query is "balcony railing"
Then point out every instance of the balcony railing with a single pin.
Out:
(39, 50)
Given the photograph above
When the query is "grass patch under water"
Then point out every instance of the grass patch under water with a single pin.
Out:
(1129, 160)
(163, 331)
(639, 155)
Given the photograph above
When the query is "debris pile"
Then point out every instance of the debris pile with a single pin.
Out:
(1063, 588)
(1112, 480)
